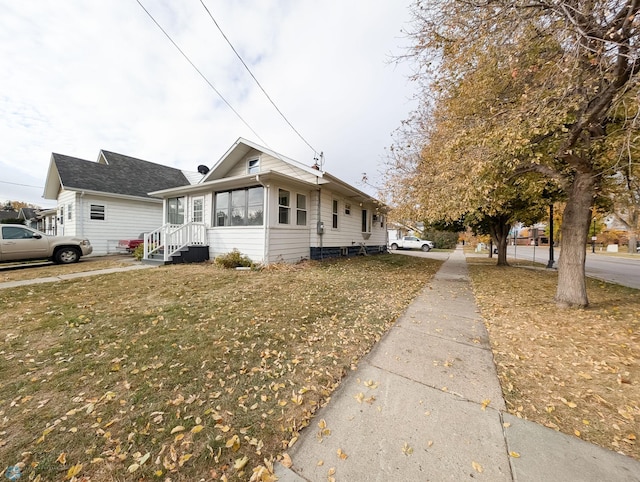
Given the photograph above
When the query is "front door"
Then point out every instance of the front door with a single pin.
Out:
(197, 209)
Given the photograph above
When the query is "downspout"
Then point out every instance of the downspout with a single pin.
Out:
(80, 214)
(319, 230)
(265, 200)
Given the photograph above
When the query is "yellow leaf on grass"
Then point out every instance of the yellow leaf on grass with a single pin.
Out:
(233, 443)
(177, 429)
(240, 463)
(197, 428)
(133, 467)
(73, 471)
(477, 467)
(62, 458)
(184, 458)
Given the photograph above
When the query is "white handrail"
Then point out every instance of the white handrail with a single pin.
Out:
(171, 238)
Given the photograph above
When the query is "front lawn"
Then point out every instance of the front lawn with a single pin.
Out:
(186, 372)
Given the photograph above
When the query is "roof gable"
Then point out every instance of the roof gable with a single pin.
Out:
(113, 173)
(242, 147)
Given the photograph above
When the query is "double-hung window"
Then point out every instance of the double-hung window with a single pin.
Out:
(301, 210)
(334, 214)
(284, 206)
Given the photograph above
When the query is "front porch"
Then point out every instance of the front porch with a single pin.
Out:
(176, 243)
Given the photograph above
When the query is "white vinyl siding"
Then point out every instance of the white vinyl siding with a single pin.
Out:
(269, 163)
(125, 219)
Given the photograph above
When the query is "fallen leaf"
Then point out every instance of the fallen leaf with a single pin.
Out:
(515, 455)
(286, 460)
(341, 454)
(477, 467)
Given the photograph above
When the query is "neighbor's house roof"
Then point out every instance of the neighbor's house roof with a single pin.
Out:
(113, 174)
(8, 214)
(28, 213)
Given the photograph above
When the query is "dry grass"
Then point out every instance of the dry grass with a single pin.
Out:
(185, 372)
(575, 371)
(25, 271)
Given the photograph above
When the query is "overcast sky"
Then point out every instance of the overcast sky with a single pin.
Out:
(81, 76)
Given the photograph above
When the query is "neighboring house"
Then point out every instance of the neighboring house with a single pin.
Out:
(270, 208)
(47, 221)
(107, 200)
(7, 215)
(29, 216)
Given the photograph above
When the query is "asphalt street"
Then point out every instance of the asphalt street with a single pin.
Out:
(617, 269)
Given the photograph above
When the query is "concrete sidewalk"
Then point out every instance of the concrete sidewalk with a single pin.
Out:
(426, 405)
(80, 274)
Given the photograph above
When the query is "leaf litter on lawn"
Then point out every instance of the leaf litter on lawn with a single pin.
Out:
(185, 372)
(571, 370)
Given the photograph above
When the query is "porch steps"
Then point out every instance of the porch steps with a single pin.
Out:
(188, 254)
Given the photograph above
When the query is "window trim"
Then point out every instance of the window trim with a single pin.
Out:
(365, 221)
(284, 208)
(300, 210)
(335, 209)
(255, 169)
(99, 214)
(228, 209)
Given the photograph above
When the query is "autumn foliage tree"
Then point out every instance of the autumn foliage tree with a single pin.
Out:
(513, 88)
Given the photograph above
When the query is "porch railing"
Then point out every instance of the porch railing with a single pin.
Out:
(168, 239)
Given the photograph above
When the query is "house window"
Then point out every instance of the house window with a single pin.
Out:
(253, 166)
(61, 214)
(335, 214)
(241, 207)
(69, 211)
(96, 212)
(255, 206)
(222, 209)
(366, 228)
(301, 210)
(175, 210)
(347, 209)
(197, 216)
(284, 203)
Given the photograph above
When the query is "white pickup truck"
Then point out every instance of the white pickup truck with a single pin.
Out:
(411, 242)
(20, 243)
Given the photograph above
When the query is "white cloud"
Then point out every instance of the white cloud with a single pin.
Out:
(84, 76)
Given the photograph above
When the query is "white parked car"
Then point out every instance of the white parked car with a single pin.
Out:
(411, 242)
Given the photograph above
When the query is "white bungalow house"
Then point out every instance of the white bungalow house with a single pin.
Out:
(269, 207)
(107, 200)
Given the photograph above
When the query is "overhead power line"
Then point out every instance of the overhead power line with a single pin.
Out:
(24, 185)
(199, 72)
(256, 80)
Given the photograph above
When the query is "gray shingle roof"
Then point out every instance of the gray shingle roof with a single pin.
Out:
(122, 175)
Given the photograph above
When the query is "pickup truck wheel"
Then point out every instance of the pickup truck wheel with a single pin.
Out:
(425, 247)
(394, 246)
(67, 255)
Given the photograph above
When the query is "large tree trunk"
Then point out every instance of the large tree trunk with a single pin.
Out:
(572, 287)
(499, 230)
